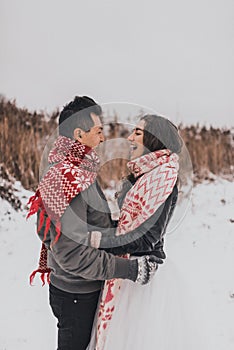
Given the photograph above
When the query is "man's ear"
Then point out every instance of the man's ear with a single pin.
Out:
(77, 134)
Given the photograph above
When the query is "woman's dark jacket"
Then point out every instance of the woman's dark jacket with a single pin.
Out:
(148, 238)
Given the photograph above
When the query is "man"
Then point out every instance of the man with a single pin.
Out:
(70, 204)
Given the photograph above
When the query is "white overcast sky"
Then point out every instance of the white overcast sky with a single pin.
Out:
(176, 57)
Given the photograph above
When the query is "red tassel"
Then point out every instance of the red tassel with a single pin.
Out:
(31, 198)
(41, 220)
(36, 203)
(58, 230)
(43, 273)
(43, 269)
(30, 201)
(43, 279)
(47, 227)
(31, 277)
(48, 277)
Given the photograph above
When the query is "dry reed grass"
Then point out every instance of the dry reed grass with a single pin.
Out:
(23, 136)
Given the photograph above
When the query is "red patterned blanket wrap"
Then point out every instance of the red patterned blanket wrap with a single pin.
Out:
(160, 172)
(73, 168)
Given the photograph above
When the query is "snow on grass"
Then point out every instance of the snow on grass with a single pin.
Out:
(25, 321)
(202, 246)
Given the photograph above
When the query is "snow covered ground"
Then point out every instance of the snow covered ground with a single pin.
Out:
(202, 245)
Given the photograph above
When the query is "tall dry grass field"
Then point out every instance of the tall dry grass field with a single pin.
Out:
(211, 150)
(23, 136)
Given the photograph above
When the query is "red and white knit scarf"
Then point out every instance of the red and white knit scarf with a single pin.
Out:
(160, 169)
(73, 169)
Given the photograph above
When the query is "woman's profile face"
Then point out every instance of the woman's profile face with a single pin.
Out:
(136, 140)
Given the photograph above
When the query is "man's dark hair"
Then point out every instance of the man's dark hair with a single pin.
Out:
(76, 114)
(160, 133)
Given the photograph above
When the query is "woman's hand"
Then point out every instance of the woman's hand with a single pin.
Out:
(95, 239)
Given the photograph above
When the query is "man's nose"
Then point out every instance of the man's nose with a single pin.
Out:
(102, 137)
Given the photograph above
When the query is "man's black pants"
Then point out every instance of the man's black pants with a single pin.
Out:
(75, 314)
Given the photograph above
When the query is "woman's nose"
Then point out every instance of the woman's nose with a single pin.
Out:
(131, 137)
(102, 137)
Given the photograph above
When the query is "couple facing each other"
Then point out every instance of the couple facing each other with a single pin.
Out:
(90, 261)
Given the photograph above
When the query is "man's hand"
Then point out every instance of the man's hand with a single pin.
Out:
(147, 267)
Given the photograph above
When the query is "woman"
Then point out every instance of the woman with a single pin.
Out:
(153, 316)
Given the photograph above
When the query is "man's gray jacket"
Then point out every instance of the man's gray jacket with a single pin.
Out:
(75, 266)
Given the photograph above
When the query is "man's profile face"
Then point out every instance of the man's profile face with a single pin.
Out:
(94, 136)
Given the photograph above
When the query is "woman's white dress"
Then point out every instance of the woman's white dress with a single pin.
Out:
(161, 315)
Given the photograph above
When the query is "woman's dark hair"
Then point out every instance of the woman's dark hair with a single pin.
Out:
(76, 114)
(160, 133)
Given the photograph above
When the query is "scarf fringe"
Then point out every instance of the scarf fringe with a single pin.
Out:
(43, 269)
(44, 273)
(35, 203)
(41, 220)
(58, 230)
(47, 227)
